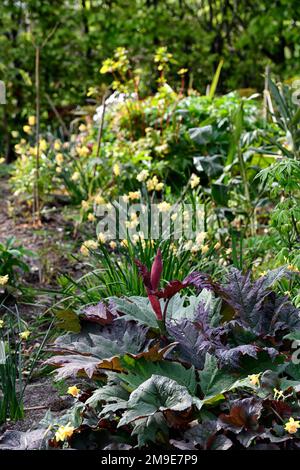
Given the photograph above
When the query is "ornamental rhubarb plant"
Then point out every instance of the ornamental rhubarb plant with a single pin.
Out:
(219, 377)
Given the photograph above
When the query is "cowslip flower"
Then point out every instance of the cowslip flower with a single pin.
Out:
(2, 160)
(124, 243)
(64, 432)
(194, 181)
(292, 426)
(113, 245)
(24, 335)
(74, 391)
(254, 379)
(4, 280)
(1, 324)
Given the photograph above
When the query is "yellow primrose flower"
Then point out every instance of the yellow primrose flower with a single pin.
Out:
(59, 158)
(159, 186)
(125, 198)
(91, 218)
(64, 432)
(75, 176)
(194, 181)
(82, 151)
(292, 426)
(31, 120)
(99, 199)
(217, 246)
(124, 243)
(18, 148)
(58, 169)
(101, 238)
(133, 195)
(85, 205)
(32, 151)
(27, 129)
(174, 217)
(204, 249)
(4, 280)
(43, 145)
(164, 206)
(2, 160)
(57, 145)
(1, 324)
(113, 245)
(254, 379)
(142, 176)
(116, 169)
(24, 335)
(74, 391)
(15, 134)
(154, 185)
(293, 268)
(87, 246)
(82, 128)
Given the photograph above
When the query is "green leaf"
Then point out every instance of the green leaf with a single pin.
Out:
(137, 309)
(214, 381)
(139, 370)
(156, 394)
(216, 78)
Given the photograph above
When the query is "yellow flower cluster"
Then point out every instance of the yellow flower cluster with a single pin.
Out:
(24, 335)
(82, 151)
(254, 379)
(194, 181)
(87, 246)
(74, 391)
(154, 185)
(4, 280)
(64, 432)
(142, 176)
(292, 426)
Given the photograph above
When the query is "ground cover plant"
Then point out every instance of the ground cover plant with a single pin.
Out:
(149, 231)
